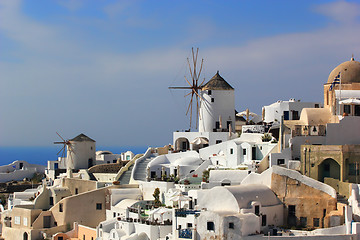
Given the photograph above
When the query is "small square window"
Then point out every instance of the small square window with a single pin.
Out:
(212, 100)
(280, 161)
(244, 151)
(210, 226)
(209, 92)
(316, 222)
(231, 151)
(189, 225)
(303, 221)
(231, 225)
(98, 206)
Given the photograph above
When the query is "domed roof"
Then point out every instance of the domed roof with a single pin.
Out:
(217, 83)
(350, 72)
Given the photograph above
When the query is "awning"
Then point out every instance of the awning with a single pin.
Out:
(200, 140)
(352, 101)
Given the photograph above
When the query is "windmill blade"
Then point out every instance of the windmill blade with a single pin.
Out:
(197, 112)
(59, 142)
(62, 149)
(189, 105)
(60, 136)
(202, 83)
(180, 87)
(199, 96)
(190, 68)
(189, 83)
(202, 61)
(188, 94)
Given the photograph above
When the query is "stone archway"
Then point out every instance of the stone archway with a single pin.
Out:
(182, 144)
(329, 168)
(25, 236)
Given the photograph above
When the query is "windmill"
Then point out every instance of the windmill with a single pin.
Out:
(66, 146)
(194, 85)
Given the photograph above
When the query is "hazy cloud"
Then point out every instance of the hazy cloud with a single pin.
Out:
(341, 11)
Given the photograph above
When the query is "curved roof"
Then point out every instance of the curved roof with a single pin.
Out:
(235, 198)
(217, 83)
(350, 72)
(315, 116)
(125, 203)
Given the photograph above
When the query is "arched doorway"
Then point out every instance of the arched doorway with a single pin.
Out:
(182, 144)
(329, 168)
(25, 236)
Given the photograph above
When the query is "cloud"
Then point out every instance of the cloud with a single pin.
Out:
(63, 84)
(341, 11)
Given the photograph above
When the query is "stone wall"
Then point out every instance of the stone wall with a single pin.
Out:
(309, 202)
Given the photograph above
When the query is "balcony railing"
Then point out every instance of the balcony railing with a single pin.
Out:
(185, 233)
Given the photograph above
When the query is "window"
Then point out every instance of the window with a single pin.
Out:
(317, 105)
(83, 236)
(209, 92)
(231, 225)
(295, 115)
(212, 99)
(189, 225)
(292, 210)
(228, 123)
(257, 210)
(303, 221)
(244, 151)
(25, 221)
(231, 151)
(353, 169)
(51, 200)
(347, 109)
(76, 190)
(280, 161)
(316, 222)
(217, 124)
(17, 220)
(218, 141)
(210, 226)
(114, 214)
(60, 207)
(286, 115)
(46, 221)
(98, 206)
(263, 220)
(60, 238)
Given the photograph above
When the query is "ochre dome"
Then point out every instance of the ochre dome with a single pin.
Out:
(350, 72)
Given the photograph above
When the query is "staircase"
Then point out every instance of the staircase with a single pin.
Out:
(140, 171)
(125, 177)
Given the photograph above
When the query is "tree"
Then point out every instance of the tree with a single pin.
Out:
(156, 196)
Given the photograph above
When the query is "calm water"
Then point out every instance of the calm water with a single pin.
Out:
(40, 155)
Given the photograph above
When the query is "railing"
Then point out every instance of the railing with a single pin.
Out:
(185, 233)
(184, 212)
(126, 167)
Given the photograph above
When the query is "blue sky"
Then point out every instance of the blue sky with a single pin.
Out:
(103, 67)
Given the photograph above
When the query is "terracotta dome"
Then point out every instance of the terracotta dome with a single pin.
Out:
(350, 72)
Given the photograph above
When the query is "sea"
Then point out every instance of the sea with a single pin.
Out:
(40, 155)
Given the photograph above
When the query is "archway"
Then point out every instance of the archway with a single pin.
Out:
(328, 168)
(25, 236)
(182, 144)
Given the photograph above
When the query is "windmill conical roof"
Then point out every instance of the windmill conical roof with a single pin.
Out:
(217, 83)
(82, 138)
